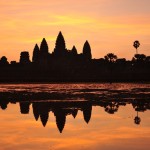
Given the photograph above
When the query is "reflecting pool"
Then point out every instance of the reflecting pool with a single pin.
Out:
(75, 116)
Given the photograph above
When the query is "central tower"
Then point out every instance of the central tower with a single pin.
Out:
(60, 46)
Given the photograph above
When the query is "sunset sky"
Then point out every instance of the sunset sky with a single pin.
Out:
(108, 25)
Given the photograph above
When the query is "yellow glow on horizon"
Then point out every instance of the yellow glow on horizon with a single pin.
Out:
(67, 20)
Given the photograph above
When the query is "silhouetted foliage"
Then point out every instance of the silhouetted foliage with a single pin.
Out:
(140, 57)
(136, 44)
(13, 62)
(147, 59)
(4, 61)
(110, 57)
(111, 107)
(121, 61)
(137, 119)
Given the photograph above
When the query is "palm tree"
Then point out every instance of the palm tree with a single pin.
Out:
(136, 44)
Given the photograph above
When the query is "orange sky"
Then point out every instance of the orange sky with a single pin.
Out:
(108, 25)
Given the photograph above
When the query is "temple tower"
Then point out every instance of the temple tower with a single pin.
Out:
(60, 46)
(87, 51)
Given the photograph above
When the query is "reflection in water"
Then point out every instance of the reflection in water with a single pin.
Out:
(62, 109)
(70, 101)
(107, 116)
(137, 119)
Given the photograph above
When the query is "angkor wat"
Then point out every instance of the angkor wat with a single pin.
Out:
(63, 65)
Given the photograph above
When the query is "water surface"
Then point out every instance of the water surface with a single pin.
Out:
(75, 116)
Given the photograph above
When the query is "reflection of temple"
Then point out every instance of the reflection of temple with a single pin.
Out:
(60, 115)
(3, 104)
(24, 107)
(87, 110)
(62, 109)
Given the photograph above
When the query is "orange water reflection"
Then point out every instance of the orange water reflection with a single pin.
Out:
(104, 131)
(75, 116)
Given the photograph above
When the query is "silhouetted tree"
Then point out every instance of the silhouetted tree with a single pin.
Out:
(87, 51)
(147, 59)
(112, 107)
(139, 61)
(36, 52)
(24, 57)
(121, 64)
(13, 62)
(140, 57)
(110, 57)
(136, 44)
(4, 61)
(137, 119)
(121, 61)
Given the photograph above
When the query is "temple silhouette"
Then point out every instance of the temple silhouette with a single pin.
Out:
(60, 56)
(64, 65)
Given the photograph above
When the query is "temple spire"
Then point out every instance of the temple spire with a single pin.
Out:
(60, 46)
(74, 50)
(44, 46)
(35, 56)
(87, 51)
